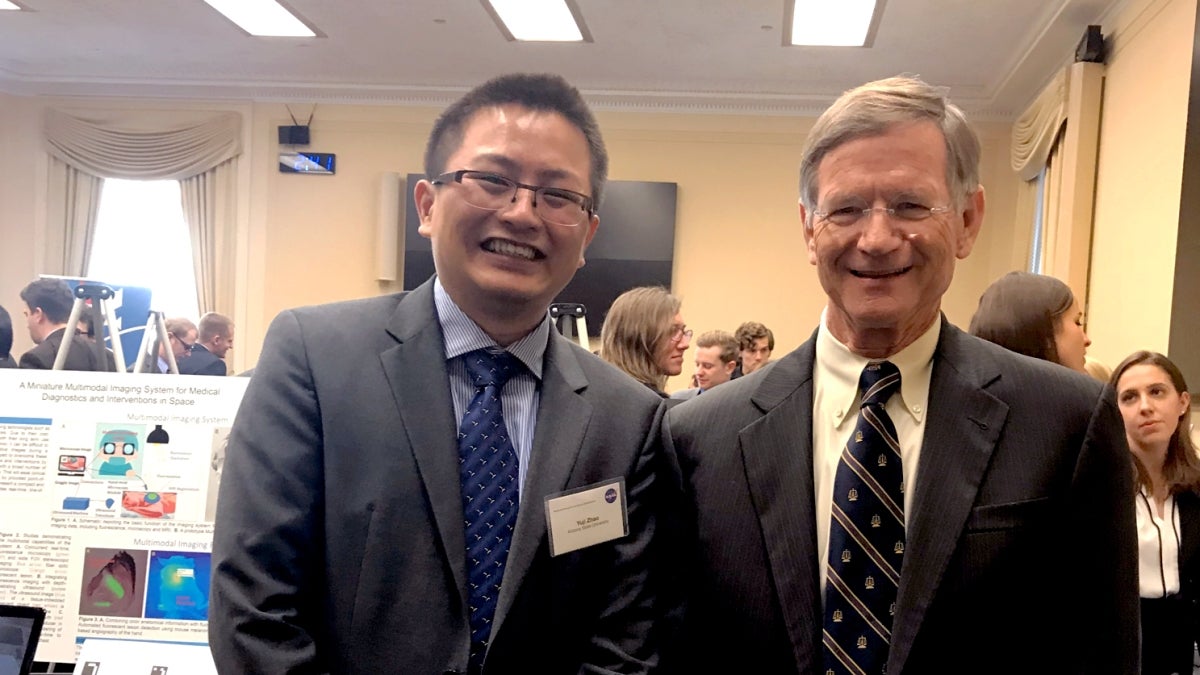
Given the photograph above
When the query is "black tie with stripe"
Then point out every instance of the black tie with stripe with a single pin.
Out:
(866, 535)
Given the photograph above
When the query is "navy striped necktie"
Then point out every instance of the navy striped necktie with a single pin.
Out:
(866, 535)
(490, 480)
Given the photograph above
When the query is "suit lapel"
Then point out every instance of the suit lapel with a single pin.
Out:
(778, 458)
(961, 431)
(1189, 520)
(416, 372)
(557, 441)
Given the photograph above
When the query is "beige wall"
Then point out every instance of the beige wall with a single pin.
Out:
(308, 239)
(1138, 181)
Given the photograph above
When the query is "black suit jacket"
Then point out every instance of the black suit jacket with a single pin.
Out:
(84, 354)
(1020, 555)
(201, 362)
(339, 543)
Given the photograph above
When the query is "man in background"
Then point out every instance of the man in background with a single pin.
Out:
(716, 358)
(48, 304)
(385, 495)
(755, 342)
(215, 339)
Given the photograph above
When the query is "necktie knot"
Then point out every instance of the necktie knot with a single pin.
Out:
(488, 368)
(879, 380)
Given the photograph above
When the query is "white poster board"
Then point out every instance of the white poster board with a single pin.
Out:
(107, 495)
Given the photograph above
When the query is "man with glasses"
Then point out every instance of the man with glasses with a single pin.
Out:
(895, 495)
(391, 482)
(181, 338)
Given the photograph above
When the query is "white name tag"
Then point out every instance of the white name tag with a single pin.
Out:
(586, 516)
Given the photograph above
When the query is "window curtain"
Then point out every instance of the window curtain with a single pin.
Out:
(74, 197)
(199, 149)
(1052, 197)
(1035, 137)
(208, 207)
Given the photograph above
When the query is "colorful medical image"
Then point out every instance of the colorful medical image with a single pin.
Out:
(71, 465)
(118, 453)
(178, 585)
(114, 582)
(148, 504)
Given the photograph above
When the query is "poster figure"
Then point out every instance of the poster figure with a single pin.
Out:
(118, 452)
(219, 442)
(178, 585)
(113, 582)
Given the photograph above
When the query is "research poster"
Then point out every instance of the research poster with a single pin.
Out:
(108, 485)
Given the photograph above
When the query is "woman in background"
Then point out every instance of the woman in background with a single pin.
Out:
(644, 335)
(1034, 315)
(1155, 404)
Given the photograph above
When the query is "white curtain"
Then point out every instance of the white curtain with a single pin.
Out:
(74, 197)
(1035, 132)
(208, 207)
(199, 149)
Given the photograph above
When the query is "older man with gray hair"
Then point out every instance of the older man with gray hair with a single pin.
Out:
(895, 495)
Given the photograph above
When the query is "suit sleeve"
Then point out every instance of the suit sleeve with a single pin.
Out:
(267, 551)
(217, 367)
(1107, 625)
(30, 360)
(626, 637)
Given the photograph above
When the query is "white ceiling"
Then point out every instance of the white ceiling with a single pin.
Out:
(693, 55)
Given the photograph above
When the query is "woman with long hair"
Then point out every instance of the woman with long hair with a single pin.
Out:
(645, 336)
(1155, 404)
(1034, 315)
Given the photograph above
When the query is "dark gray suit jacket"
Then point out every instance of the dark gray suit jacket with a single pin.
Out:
(84, 354)
(202, 362)
(1020, 555)
(339, 542)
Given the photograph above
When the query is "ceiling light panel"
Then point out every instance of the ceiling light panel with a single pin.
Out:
(265, 18)
(845, 23)
(537, 20)
(5, 4)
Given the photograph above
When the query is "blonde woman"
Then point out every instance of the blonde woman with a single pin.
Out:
(645, 336)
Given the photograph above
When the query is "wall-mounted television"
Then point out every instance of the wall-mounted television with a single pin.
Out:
(634, 246)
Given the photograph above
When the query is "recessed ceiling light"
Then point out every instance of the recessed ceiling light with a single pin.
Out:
(538, 20)
(265, 18)
(5, 4)
(845, 23)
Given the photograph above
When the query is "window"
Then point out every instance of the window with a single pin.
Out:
(142, 240)
(1039, 224)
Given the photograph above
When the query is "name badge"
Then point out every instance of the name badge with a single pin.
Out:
(586, 516)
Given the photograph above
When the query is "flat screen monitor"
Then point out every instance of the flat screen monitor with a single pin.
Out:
(634, 246)
(20, 628)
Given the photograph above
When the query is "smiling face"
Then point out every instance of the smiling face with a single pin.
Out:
(710, 370)
(884, 277)
(1150, 406)
(504, 267)
(669, 352)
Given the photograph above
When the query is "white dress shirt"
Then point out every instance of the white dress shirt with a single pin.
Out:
(1158, 547)
(835, 410)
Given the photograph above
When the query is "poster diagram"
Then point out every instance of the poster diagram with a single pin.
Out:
(108, 489)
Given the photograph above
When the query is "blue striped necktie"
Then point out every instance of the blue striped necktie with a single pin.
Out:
(866, 535)
(488, 471)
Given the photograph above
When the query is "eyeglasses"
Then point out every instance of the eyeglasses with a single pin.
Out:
(491, 192)
(187, 346)
(681, 332)
(910, 212)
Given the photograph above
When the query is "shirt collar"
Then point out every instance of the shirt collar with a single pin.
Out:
(841, 369)
(460, 334)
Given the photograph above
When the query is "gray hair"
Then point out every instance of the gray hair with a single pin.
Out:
(875, 107)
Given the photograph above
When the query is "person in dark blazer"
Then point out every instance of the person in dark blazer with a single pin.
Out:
(341, 541)
(48, 308)
(1155, 402)
(214, 339)
(6, 340)
(999, 483)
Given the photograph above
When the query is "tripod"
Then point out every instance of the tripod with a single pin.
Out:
(570, 320)
(154, 335)
(100, 312)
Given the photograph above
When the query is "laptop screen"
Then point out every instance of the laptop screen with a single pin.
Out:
(19, 631)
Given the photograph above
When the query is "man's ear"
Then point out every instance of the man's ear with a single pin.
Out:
(809, 242)
(592, 223)
(972, 221)
(423, 197)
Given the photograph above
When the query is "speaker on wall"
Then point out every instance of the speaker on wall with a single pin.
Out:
(388, 225)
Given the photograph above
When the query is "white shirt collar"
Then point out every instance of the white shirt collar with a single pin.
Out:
(841, 369)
